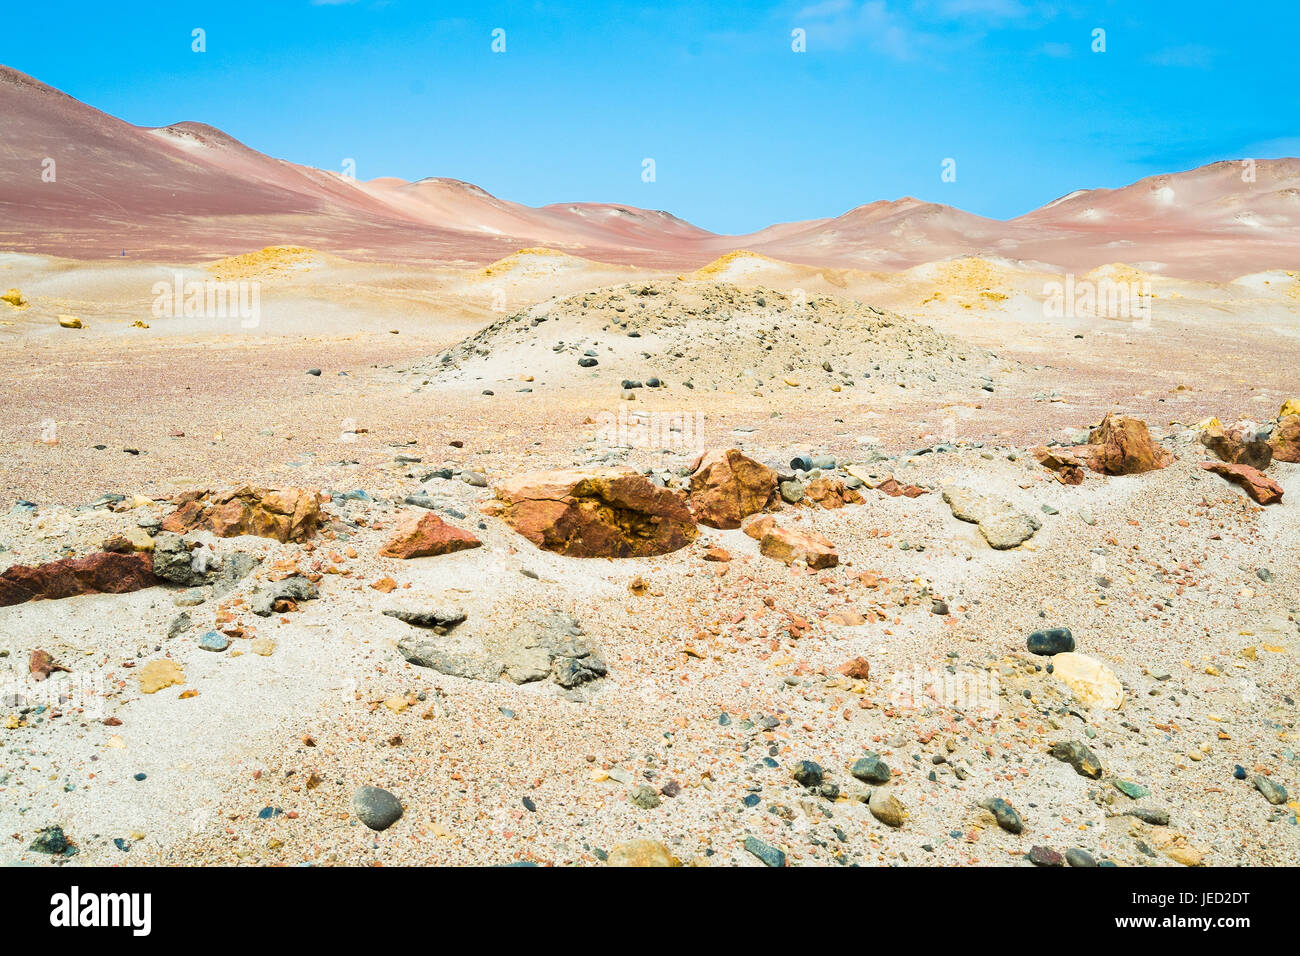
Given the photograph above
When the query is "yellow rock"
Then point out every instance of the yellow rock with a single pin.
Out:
(642, 853)
(12, 722)
(158, 674)
(396, 704)
(793, 383)
(1290, 407)
(1093, 683)
(14, 298)
(70, 322)
(263, 646)
(139, 324)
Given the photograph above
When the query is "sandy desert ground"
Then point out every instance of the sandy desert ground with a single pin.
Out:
(902, 671)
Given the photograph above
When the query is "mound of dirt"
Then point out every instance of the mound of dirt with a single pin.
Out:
(710, 335)
(264, 264)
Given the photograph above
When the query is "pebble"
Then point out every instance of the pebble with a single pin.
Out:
(1077, 857)
(1048, 643)
(644, 797)
(884, 806)
(1274, 793)
(214, 641)
(376, 808)
(1078, 755)
(1006, 815)
(808, 774)
(871, 769)
(769, 854)
(1045, 856)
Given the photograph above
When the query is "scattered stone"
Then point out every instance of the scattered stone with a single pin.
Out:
(641, 853)
(1134, 791)
(1006, 815)
(788, 546)
(214, 641)
(1056, 640)
(1285, 439)
(807, 773)
(644, 797)
(1259, 486)
(1078, 857)
(439, 620)
(858, 669)
(427, 536)
(1045, 856)
(1273, 792)
(1092, 682)
(159, 674)
(376, 808)
(263, 601)
(1238, 444)
(1155, 816)
(1122, 445)
(768, 854)
(885, 807)
(1079, 756)
(53, 841)
(1067, 469)
(871, 769)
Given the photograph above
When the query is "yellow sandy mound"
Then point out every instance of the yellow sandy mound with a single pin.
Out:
(262, 264)
(521, 259)
(721, 265)
(971, 279)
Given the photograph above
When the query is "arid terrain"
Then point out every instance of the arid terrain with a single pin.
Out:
(254, 562)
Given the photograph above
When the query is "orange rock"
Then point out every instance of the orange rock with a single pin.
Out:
(1286, 439)
(1067, 469)
(1237, 444)
(892, 488)
(1122, 445)
(717, 554)
(427, 536)
(285, 514)
(789, 546)
(831, 493)
(727, 487)
(596, 513)
(759, 527)
(384, 585)
(858, 668)
(1259, 486)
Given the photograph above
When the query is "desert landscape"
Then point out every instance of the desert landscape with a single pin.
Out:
(354, 522)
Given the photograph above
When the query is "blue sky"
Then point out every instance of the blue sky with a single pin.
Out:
(743, 130)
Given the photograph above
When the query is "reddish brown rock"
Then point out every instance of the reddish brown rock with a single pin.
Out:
(858, 669)
(1258, 485)
(892, 488)
(1122, 445)
(285, 514)
(1285, 440)
(727, 487)
(427, 536)
(100, 573)
(789, 546)
(1237, 444)
(41, 665)
(596, 513)
(759, 527)
(831, 493)
(717, 554)
(1067, 469)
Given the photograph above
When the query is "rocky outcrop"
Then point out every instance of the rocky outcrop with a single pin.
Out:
(1001, 524)
(595, 513)
(103, 572)
(1259, 486)
(427, 536)
(1122, 445)
(727, 487)
(1238, 444)
(788, 546)
(287, 514)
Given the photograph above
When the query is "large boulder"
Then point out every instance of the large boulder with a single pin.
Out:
(1122, 445)
(1259, 486)
(595, 513)
(727, 487)
(104, 572)
(1286, 439)
(285, 514)
(427, 536)
(1238, 444)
